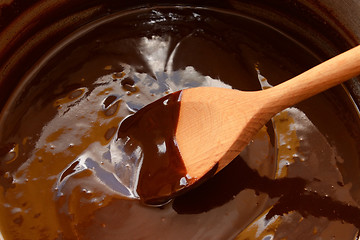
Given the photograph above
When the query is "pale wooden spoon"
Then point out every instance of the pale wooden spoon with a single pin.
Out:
(216, 124)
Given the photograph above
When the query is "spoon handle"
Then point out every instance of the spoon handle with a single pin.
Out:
(317, 79)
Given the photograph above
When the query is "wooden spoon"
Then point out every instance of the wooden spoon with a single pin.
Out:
(188, 134)
(216, 124)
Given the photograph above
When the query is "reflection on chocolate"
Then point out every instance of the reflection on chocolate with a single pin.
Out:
(64, 173)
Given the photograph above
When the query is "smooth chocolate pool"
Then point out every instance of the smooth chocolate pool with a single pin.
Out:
(65, 175)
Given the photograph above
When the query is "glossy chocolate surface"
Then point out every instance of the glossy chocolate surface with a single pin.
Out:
(67, 173)
(149, 137)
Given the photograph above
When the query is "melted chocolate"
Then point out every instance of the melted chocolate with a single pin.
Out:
(68, 171)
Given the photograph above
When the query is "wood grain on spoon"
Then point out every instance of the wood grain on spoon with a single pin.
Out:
(216, 124)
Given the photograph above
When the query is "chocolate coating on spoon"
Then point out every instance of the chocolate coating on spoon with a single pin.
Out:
(151, 130)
